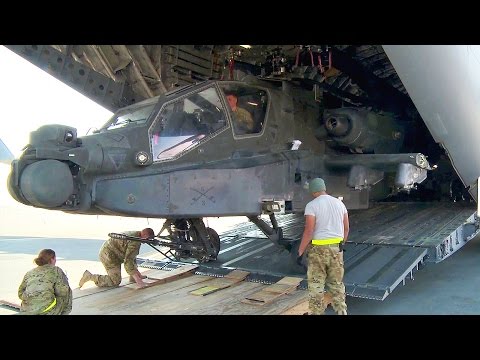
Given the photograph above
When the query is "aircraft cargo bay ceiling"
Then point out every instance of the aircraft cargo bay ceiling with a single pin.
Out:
(119, 75)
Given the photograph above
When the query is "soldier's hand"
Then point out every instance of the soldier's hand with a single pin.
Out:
(299, 260)
(141, 284)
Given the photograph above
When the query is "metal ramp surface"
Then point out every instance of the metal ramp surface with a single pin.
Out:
(387, 244)
(374, 271)
(440, 227)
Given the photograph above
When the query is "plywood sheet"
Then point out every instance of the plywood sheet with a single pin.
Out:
(271, 292)
(302, 307)
(216, 284)
(158, 277)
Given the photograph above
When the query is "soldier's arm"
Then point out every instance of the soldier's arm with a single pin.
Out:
(133, 248)
(346, 227)
(61, 286)
(307, 233)
(250, 122)
(21, 288)
(69, 300)
(138, 278)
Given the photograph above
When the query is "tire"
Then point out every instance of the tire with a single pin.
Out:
(215, 240)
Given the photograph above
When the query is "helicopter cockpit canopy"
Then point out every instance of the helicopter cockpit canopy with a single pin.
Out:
(136, 114)
(188, 120)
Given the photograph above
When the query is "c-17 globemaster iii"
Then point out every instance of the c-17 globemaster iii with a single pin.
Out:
(248, 147)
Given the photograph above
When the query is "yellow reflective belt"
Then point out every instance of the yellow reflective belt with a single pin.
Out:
(327, 241)
(51, 305)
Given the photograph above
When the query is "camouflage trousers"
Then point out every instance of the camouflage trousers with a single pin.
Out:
(63, 306)
(325, 270)
(114, 272)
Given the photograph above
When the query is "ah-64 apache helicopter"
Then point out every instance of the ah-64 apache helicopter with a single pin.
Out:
(188, 154)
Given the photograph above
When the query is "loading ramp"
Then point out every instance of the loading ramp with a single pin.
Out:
(388, 243)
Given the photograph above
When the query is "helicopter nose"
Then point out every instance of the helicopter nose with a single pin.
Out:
(47, 183)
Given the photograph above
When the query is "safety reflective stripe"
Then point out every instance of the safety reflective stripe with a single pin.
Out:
(51, 305)
(327, 241)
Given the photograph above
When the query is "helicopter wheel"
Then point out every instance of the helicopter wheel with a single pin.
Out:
(215, 239)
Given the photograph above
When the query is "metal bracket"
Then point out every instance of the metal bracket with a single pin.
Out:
(273, 206)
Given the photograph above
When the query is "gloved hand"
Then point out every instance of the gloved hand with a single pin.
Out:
(299, 259)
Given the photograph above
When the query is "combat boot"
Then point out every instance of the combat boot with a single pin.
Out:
(87, 276)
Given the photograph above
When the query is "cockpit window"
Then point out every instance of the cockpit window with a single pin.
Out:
(132, 115)
(247, 106)
(184, 123)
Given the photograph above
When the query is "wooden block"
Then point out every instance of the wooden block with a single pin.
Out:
(161, 276)
(271, 292)
(302, 308)
(280, 288)
(260, 298)
(290, 280)
(216, 284)
(237, 274)
(205, 290)
(221, 282)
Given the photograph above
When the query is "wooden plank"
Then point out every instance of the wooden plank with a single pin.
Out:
(90, 288)
(119, 300)
(271, 292)
(161, 277)
(9, 305)
(164, 274)
(289, 280)
(280, 288)
(206, 290)
(180, 301)
(302, 307)
(173, 298)
(237, 275)
(216, 284)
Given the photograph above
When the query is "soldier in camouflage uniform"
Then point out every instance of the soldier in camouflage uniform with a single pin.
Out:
(112, 254)
(244, 123)
(326, 229)
(45, 289)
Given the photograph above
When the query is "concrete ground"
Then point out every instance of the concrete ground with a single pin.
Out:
(450, 287)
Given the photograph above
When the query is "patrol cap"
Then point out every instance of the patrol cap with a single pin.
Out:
(316, 185)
